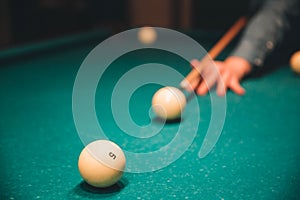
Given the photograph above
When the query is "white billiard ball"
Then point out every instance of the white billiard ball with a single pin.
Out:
(101, 163)
(147, 35)
(168, 103)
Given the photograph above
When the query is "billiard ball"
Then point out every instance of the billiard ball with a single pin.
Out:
(147, 35)
(295, 62)
(168, 103)
(101, 163)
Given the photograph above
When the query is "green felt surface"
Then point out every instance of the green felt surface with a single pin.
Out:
(256, 157)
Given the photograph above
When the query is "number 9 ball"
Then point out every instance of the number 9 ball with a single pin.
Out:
(101, 163)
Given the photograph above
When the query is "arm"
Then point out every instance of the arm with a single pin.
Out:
(263, 33)
(266, 30)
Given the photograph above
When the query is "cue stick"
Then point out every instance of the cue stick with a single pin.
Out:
(214, 52)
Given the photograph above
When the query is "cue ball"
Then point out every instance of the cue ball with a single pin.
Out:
(147, 35)
(168, 103)
(295, 62)
(101, 163)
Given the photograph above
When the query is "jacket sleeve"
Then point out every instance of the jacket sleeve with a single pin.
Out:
(265, 30)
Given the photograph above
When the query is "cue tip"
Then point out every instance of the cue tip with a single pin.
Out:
(185, 85)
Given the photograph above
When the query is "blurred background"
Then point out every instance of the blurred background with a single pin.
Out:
(23, 22)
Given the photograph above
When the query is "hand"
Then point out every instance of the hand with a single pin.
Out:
(226, 75)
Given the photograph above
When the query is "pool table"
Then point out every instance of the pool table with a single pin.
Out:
(257, 155)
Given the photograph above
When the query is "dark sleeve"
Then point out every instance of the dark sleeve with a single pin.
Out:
(265, 30)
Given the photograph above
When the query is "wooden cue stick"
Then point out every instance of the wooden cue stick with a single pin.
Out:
(214, 52)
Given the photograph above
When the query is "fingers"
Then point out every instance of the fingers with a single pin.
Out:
(202, 89)
(229, 82)
(195, 64)
(225, 75)
(194, 84)
(223, 83)
(209, 76)
(236, 87)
